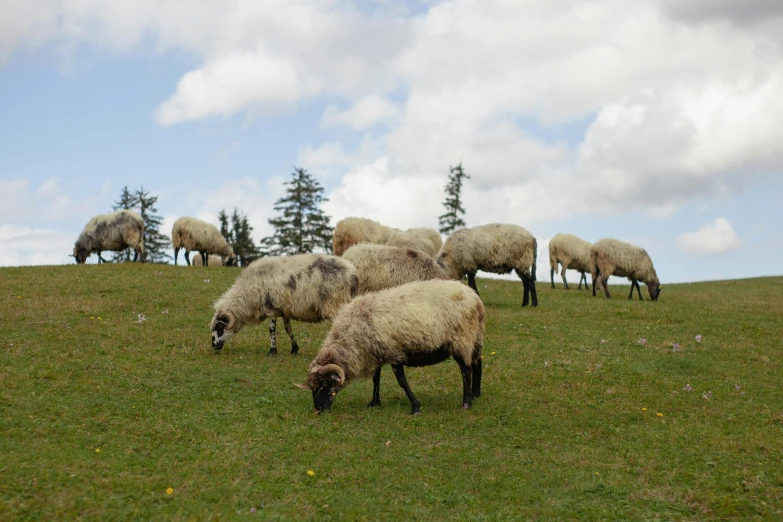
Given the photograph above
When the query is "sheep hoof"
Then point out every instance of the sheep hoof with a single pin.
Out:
(295, 352)
(465, 406)
(417, 412)
(273, 351)
(373, 404)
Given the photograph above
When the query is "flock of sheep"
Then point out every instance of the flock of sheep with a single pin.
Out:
(393, 297)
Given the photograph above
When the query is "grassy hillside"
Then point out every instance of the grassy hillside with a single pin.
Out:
(102, 413)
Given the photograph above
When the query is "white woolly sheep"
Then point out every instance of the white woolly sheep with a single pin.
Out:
(351, 231)
(615, 257)
(214, 260)
(426, 240)
(571, 252)
(116, 231)
(193, 234)
(416, 324)
(494, 248)
(380, 267)
(305, 287)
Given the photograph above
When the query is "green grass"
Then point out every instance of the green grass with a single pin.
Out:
(559, 432)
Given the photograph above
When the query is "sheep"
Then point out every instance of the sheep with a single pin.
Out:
(116, 231)
(426, 240)
(615, 257)
(572, 253)
(351, 231)
(304, 287)
(494, 248)
(193, 234)
(380, 267)
(416, 324)
(214, 260)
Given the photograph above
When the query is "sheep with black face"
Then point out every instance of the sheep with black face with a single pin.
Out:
(416, 324)
(305, 287)
(615, 257)
(116, 231)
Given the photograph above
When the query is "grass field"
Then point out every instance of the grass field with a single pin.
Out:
(106, 417)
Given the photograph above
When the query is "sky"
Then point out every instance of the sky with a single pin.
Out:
(657, 122)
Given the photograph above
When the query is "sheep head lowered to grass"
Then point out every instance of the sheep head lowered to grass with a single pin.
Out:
(416, 324)
(305, 287)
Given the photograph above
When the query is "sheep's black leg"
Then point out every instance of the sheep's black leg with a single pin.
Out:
(187, 256)
(100, 259)
(638, 289)
(290, 332)
(399, 372)
(595, 278)
(529, 285)
(552, 276)
(583, 276)
(477, 377)
(272, 336)
(204, 258)
(176, 253)
(136, 256)
(472, 281)
(565, 283)
(605, 284)
(467, 384)
(376, 389)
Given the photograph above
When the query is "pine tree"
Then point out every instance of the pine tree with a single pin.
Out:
(128, 201)
(302, 227)
(155, 242)
(451, 220)
(239, 237)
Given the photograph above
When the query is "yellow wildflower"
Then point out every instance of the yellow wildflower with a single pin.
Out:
(659, 414)
(311, 472)
(169, 491)
(644, 409)
(97, 450)
(492, 353)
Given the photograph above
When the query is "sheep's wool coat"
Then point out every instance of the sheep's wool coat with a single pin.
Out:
(392, 326)
(380, 267)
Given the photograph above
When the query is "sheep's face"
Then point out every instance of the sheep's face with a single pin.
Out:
(223, 328)
(655, 291)
(448, 268)
(80, 254)
(325, 383)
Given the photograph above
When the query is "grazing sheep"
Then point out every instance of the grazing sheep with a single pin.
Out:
(416, 324)
(214, 260)
(493, 248)
(116, 231)
(351, 231)
(380, 267)
(193, 234)
(615, 257)
(572, 253)
(305, 287)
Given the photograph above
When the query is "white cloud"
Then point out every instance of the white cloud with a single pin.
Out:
(673, 100)
(34, 246)
(365, 114)
(710, 240)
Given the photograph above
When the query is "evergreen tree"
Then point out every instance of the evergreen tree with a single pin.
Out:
(155, 242)
(301, 227)
(451, 220)
(238, 235)
(128, 201)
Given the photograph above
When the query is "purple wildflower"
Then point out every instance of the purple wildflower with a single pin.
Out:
(707, 395)
(142, 318)
(688, 388)
(641, 341)
(698, 338)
